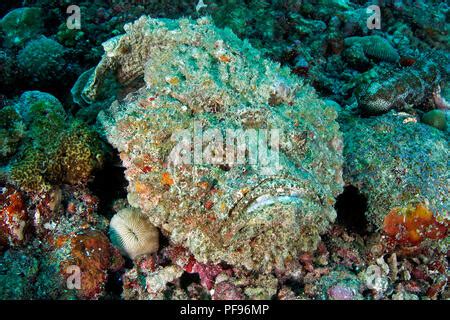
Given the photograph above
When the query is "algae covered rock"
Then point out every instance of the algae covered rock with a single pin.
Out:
(193, 134)
(436, 118)
(374, 47)
(395, 161)
(404, 88)
(21, 25)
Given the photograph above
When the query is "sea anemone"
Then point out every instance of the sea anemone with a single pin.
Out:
(133, 234)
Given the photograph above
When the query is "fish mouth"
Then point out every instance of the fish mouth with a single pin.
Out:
(272, 191)
(268, 200)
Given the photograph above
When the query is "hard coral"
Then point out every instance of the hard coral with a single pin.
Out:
(42, 61)
(133, 234)
(21, 24)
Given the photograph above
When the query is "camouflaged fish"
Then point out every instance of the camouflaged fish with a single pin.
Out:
(202, 92)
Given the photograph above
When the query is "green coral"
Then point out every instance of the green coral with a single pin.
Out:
(394, 159)
(57, 150)
(21, 25)
(42, 60)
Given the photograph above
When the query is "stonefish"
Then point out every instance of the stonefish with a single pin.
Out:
(226, 152)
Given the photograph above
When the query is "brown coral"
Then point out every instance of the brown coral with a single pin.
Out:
(91, 252)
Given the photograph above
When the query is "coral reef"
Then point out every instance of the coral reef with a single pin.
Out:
(239, 213)
(16, 285)
(408, 87)
(168, 93)
(414, 224)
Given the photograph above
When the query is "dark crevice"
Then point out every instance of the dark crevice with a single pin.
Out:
(188, 278)
(114, 284)
(109, 184)
(295, 285)
(351, 207)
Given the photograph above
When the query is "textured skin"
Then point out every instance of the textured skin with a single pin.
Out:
(395, 161)
(375, 47)
(410, 86)
(196, 72)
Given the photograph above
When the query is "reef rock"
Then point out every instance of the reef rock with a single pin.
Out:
(396, 161)
(198, 82)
